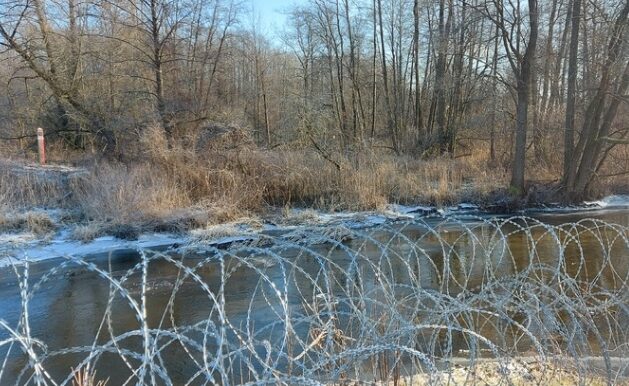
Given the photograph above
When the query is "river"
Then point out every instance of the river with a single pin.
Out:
(298, 305)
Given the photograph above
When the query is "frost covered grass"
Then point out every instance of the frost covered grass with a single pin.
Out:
(86, 232)
(483, 301)
(27, 186)
(38, 223)
(522, 372)
(216, 232)
(87, 377)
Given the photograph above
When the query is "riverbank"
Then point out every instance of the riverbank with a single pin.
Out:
(48, 234)
(41, 234)
(179, 192)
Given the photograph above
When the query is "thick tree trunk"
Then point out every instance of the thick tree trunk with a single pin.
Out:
(594, 149)
(440, 86)
(571, 94)
(523, 91)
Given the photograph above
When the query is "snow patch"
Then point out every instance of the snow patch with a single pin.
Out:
(609, 202)
(468, 206)
(406, 210)
(615, 201)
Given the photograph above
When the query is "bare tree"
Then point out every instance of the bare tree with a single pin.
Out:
(522, 62)
(601, 111)
(26, 30)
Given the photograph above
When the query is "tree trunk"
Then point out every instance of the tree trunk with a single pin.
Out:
(440, 74)
(494, 83)
(418, 108)
(571, 94)
(385, 78)
(523, 91)
(158, 71)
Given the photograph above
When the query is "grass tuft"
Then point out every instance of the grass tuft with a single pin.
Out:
(39, 223)
(87, 232)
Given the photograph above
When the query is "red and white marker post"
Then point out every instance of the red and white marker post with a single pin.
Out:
(41, 145)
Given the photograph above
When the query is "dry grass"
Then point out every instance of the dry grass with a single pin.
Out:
(293, 216)
(233, 179)
(87, 232)
(230, 184)
(516, 372)
(122, 194)
(86, 377)
(27, 186)
(36, 222)
(9, 222)
(39, 223)
(215, 232)
(381, 179)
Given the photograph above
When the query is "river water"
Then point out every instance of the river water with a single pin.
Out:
(290, 302)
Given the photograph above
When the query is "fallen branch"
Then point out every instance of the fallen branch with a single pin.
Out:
(323, 153)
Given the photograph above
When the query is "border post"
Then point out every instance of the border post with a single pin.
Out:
(41, 146)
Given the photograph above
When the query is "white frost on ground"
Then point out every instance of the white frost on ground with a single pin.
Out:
(351, 219)
(15, 240)
(509, 371)
(408, 210)
(467, 206)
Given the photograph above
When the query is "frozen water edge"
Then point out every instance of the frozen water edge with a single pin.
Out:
(615, 201)
(59, 247)
(16, 249)
(609, 202)
(19, 248)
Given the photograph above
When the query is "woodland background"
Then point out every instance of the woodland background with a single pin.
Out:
(352, 104)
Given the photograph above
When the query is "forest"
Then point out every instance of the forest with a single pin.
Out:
(350, 104)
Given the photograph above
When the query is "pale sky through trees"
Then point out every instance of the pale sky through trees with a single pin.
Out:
(272, 12)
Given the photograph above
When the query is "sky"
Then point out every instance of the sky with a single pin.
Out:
(271, 12)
